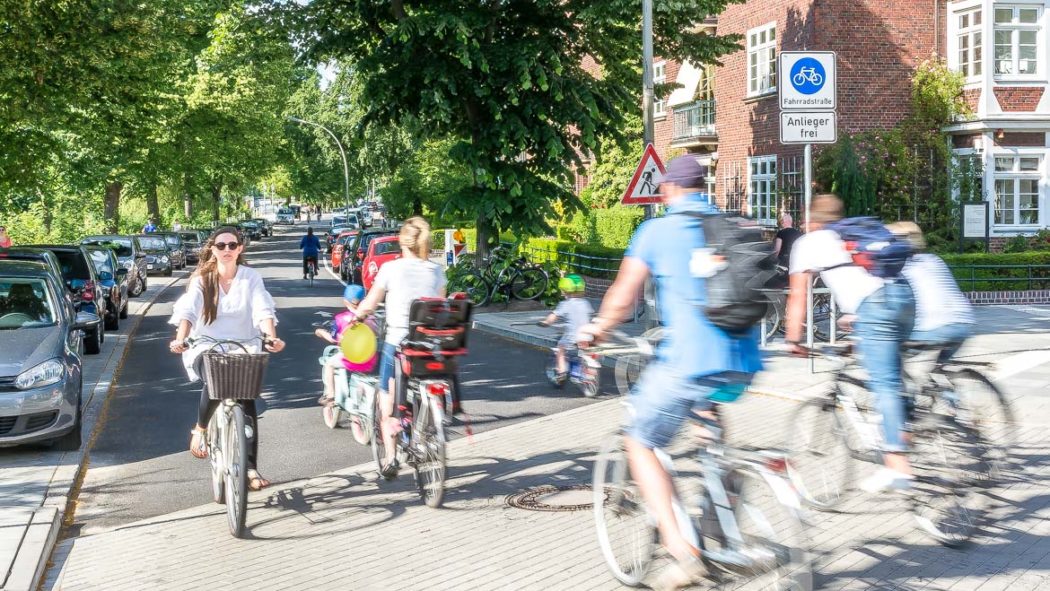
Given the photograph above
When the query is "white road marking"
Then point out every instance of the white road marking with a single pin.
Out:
(1015, 364)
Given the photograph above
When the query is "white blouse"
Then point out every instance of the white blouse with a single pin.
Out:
(241, 312)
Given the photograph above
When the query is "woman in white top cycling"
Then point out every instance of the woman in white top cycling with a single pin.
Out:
(399, 283)
(225, 300)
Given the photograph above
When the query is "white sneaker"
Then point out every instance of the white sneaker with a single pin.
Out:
(886, 479)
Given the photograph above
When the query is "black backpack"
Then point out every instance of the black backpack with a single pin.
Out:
(735, 300)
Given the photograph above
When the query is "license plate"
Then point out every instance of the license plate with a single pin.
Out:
(149, 266)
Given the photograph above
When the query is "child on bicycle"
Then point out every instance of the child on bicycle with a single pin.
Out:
(352, 296)
(574, 311)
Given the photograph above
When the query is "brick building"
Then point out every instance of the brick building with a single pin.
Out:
(729, 114)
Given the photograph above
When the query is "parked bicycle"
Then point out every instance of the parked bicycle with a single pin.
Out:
(501, 273)
(233, 374)
(747, 522)
(952, 430)
(776, 313)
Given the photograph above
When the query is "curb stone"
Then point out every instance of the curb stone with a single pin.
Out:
(38, 542)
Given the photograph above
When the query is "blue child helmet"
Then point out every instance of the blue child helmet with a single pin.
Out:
(354, 293)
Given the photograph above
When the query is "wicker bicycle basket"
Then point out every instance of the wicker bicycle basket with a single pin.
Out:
(234, 376)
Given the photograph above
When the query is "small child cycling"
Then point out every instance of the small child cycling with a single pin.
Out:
(352, 296)
(574, 311)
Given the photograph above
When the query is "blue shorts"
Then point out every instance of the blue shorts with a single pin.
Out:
(386, 366)
(664, 398)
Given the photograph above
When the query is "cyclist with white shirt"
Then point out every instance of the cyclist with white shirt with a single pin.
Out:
(884, 311)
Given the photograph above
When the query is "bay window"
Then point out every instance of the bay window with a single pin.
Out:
(969, 43)
(1017, 190)
(1017, 37)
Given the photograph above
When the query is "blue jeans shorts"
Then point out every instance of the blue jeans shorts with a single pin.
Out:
(386, 366)
(664, 398)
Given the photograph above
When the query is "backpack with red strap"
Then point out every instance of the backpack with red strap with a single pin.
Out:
(872, 246)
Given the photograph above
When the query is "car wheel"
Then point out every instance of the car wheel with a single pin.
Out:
(112, 319)
(168, 272)
(93, 342)
(71, 441)
(124, 311)
(144, 283)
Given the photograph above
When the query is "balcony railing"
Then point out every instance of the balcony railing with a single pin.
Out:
(694, 120)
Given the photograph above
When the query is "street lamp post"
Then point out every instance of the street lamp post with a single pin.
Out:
(342, 153)
(648, 133)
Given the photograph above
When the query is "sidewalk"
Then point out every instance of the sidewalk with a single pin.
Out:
(35, 483)
(346, 531)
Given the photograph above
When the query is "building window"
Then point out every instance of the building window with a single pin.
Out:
(1017, 34)
(1017, 190)
(762, 59)
(969, 43)
(763, 184)
(660, 77)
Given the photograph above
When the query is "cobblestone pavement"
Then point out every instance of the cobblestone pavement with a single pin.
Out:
(346, 531)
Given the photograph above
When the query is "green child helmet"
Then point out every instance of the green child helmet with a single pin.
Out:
(571, 283)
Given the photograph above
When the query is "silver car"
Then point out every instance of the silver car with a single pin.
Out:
(40, 364)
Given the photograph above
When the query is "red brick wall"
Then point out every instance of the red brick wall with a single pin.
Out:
(972, 96)
(1018, 98)
(1021, 140)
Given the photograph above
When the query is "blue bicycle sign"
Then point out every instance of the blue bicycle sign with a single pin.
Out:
(808, 76)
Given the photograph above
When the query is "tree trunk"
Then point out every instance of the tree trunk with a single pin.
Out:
(111, 206)
(417, 206)
(187, 198)
(49, 210)
(486, 233)
(152, 202)
(216, 200)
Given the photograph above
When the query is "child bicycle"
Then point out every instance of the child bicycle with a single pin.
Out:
(746, 523)
(232, 377)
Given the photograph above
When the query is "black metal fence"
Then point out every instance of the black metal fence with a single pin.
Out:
(1001, 277)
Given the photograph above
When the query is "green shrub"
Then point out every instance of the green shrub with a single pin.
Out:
(581, 228)
(1016, 244)
(1011, 274)
(614, 227)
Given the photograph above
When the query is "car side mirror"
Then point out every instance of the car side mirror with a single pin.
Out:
(105, 276)
(85, 321)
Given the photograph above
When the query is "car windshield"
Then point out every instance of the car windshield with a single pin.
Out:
(172, 240)
(121, 247)
(388, 247)
(152, 243)
(73, 263)
(284, 212)
(190, 237)
(24, 303)
(102, 261)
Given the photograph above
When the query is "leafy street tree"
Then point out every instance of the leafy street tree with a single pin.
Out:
(506, 81)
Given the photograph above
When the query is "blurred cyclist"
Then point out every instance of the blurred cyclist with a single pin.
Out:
(693, 362)
(311, 247)
(884, 310)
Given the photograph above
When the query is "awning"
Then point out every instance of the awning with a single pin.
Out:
(688, 77)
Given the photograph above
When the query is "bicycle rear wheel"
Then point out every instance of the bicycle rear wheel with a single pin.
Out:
(945, 503)
(429, 464)
(626, 532)
(475, 286)
(820, 464)
(772, 533)
(236, 455)
(529, 283)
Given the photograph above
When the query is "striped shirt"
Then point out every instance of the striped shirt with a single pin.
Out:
(938, 301)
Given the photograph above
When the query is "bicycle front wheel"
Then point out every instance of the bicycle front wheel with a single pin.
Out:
(216, 459)
(820, 463)
(981, 405)
(475, 286)
(236, 456)
(429, 464)
(626, 532)
(378, 445)
(529, 283)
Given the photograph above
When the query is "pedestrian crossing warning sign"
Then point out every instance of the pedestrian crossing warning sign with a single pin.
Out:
(645, 184)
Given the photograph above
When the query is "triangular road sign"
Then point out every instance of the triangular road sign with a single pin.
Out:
(645, 184)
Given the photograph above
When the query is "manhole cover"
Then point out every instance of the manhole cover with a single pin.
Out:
(553, 498)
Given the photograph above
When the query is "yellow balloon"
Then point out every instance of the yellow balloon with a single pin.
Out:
(358, 343)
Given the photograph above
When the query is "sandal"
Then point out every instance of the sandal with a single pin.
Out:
(256, 481)
(199, 443)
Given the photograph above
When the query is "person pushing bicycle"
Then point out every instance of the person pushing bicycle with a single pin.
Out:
(311, 247)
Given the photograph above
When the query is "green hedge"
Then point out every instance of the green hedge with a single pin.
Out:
(587, 259)
(970, 278)
(614, 227)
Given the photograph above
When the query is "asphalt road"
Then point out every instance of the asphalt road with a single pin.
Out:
(140, 466)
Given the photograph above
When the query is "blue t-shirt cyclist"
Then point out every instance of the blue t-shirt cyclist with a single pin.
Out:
(311, 247)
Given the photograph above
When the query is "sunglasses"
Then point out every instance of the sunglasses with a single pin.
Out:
(223, 245)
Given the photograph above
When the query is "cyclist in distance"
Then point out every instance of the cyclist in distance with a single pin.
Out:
(575, 311)
(884, 311)
(311, 247)
(398, 284)
(225, 299)
(693, 362)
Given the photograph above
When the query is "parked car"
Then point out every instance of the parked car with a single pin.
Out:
(114, 281)
(358, 248)
(129, 255)
(177, 251)
(339, 247)
(285, 215)
(251, 229)
(78, 273)
(40, 366)
(380, 251)
(334, 231)
(36, 255)
(366, 216)
(192, 243)
(158, 259)
(264, 225)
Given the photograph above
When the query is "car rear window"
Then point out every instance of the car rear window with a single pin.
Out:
(24, 303)
(172, 239)
(190, 237)
(73, 263)
(121, 247)
(102, 261)
(388, 247)
(152, 243)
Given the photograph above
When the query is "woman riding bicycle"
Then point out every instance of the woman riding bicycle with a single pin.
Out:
(225, 300)
(399, 283)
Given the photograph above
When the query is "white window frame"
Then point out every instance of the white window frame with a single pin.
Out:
(659, 77)
(1016, 27)
(974, 39)
(1015, 175)
(762, 189)
(762, 60)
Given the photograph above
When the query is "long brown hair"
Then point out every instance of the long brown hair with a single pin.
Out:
(208, 271)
